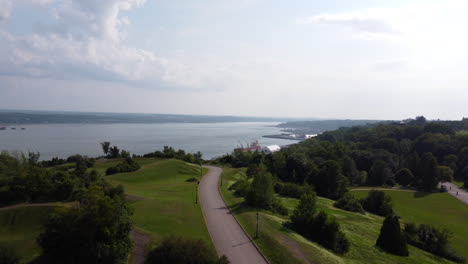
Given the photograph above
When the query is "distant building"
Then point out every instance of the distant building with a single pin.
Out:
(271, 149)
(310, 136)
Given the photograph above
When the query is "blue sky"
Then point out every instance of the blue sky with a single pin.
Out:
(330, 59)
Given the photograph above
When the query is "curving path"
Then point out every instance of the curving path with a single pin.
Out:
(227, 235)
(456, 191)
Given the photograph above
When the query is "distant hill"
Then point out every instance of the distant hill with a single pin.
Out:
(43, 117)
(319, 126)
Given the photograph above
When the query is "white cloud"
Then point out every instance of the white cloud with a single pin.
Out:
(5, 9)
(86, 39)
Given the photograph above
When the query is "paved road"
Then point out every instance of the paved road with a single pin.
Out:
(228, 237)
(453, 189)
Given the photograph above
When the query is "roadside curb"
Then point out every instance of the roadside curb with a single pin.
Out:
(247, 234)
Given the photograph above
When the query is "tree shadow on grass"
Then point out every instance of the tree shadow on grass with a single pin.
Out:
(419, 194)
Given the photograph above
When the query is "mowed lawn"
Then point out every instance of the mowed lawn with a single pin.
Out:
(165, 203)
(282, 245)
(19, 228)
(436, 209)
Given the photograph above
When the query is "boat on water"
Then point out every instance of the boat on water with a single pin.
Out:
(250, 147)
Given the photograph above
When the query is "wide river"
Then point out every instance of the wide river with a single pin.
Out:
(63, 140)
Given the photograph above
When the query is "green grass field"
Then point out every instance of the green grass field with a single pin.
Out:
(281, 245)
(167, 200)
(19, 228)
(437, 209)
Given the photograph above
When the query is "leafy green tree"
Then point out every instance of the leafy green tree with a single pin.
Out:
(303, 215)
(380, 174)
(97, 231)
(404, 177)
(261, 193)
(114, 152)
(177, 250)
(428, 172)
(349, 203)
(377, 202)
(444, 173)
(105, 147)
(331, 183)
(349, 169)
(391, 239)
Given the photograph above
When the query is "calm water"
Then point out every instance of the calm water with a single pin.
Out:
(211, 139)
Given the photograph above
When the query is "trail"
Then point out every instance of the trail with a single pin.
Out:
(228, 236)
(454, 189)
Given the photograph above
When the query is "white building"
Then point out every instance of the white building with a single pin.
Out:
(271, 149)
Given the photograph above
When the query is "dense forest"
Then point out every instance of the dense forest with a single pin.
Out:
(413, 153)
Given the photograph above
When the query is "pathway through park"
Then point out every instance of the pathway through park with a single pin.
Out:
(454, 190)
(227, 235)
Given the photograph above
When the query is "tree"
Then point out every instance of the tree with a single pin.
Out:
(304, 213)
(349, 169)
(124, 154)
(380, 174)
(349, 203)
(428, 172)
(404, 177)
(97, 231)
(377, 202)
(444, 174)
(114, 152)
(391, 238)
(330, 182)
(105, 147)
(177, 250)
(262, 192)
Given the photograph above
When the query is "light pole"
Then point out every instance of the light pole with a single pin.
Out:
(256, 232)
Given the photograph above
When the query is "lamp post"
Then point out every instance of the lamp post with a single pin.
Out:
(256, 232)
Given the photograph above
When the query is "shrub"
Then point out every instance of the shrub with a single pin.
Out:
(404, 177)
(377, 202)
(278, 207)
(291, 189)
(432, 240)
(8, 255)
(349, 203)
(128, 165)
(391, 239)
(240, 188)
(320, 228)
(176, 250)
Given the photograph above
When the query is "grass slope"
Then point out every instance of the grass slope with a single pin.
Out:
(437, 209)
(19, 227)
(168, 205)
(281, 245)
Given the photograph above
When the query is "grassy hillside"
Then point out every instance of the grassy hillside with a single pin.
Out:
(437, 209)
(19, 227)
(281, 245)
(163, 199)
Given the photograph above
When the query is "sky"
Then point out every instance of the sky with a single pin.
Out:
(360, 59)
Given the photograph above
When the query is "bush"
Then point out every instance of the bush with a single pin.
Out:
(391, 239)
(278, 207)
(8, 255)
(431, 239)
(291, 189)
(176, 250)
(349, 203)
(240, 187)
(128, 165)
(320, 228)
(377, 202)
